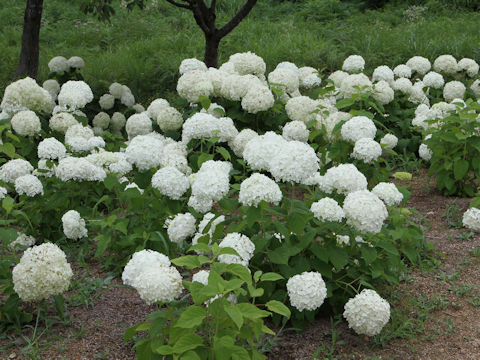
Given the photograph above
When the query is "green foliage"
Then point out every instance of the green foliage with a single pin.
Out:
(456, 147)
(214, 326)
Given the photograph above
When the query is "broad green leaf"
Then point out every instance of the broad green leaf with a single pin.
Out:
(279, 308)
(191, 317)
(9, 150)
(187, 342)
(460, 168)
(341, 104)
(234, 314)
(271, 277)
(224, 152)
(204, 101)
(251, 311)
(369, 254)
(338, 257)
(296, 222)
(191, 261)
(8, 203)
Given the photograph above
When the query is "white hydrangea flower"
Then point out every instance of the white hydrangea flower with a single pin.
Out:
(26, 94)
(284, 79)
(75, 95)
(51, 148)
(58, 64)
(446, 64)
(365, 211)
(194, 84)
(301, 108)
(200, 204)
(78, 169)
(402, 71)
(367, 150)
(358, 127)
(367, 313)
(424, 152)
(433, 80)
(383, 93)
(202, 125)
(76, 62)
(327, 209)
(156, 284)
(295, 161)
(403, 85)
(389, 141)
(127, 98)
(141, 261)
(288, 65)
(29, 185)
(355, 84)
(118, 121)
(73, 225)
(306, 291)
(169, 118)
(138, 124)
(116, 90)
(3, 192)
(344, 178)
(389, 193)
(106, 101)
(417, 95)
(13, 169)
(53, 87)
(384, 73)
(475, 87)
(238, 143)
(337, 77)
(43, 271)
(353, 64)
(212, 180)
(241, 244)
(207, 219)
(191, 64)
(101, 120)
(309, 77)
(201, 277)
(180, 227)
(247, 63)
(259, 150)
(26, 123)
(330, 121)
(419, 64)
(471, 219)
(259, 187)
(454, 90)
(62, 121)
(145, 152)
(111, 162)
(470, 66)
(22, 240)
(170, 182)
(258, 98)
(296, 130)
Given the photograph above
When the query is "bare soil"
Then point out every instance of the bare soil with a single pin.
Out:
(440, 308)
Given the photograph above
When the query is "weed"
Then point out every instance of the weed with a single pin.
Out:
(453, 215)
(475, 252)
(327, 351)
(87, 290)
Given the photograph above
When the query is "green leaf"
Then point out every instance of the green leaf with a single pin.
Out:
(191, 355)
(103, 241)
(253, 215)
(338, 257)
(460, 168)
(341, 104)
(191, 261)
(251, 311)
(187, 342)
(9, 150)
(202, 158)
(279, 308)
(369, 254)
(234, 314)
(110, 181)
(191, 317)
(164, 350)
(205, 102)
(224, 152)
(8, 203)
(271, 277)
(296, 222)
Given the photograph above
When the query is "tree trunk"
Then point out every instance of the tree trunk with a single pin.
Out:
(211, 50)
(28, 64)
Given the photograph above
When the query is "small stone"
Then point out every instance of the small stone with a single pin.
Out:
(12, 356)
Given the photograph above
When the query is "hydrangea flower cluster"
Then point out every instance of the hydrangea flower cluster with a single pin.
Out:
(306, 291)
(73, 225)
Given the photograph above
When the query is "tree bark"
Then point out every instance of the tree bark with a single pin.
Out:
(28, 64)
(211, 51)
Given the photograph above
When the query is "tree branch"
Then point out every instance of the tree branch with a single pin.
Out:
(202, 17)
(189, 6)
(242, 13)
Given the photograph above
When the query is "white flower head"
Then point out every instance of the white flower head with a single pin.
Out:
(327, 209)
(170, 182)
(306, 291)
(140, 261)
(73, 225)
(241, 244)
(367, 150)
(389, 193)
(365, 211)
(471, 219)
(259, 188)
(181, 227)
(353, 64)
(29, 185)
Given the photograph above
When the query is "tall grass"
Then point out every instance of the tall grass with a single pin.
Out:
(144, 48)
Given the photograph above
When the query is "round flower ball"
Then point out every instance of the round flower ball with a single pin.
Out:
(353, 64)
(367, 313)
(389, 193)
(295, 130)
(366, 150)
(43, 271)
(454, 90)
(181, 227)
(327, 209)
(51, 148)
(29, 185)
(140, 261)
(138, 124)
(471, 219)
(358, 127)
(73, 225)
(58, 64)
(257, 188)
(365, 211)
(26, 123)
(159, 283)
(170, 182)
(241, 244)
(306, 291)
(389, 141)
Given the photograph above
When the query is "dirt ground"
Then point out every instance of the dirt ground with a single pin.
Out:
(438, 311)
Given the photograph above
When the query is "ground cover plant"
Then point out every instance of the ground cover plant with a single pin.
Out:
(257, 197)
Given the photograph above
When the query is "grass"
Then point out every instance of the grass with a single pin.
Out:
(144, 48)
